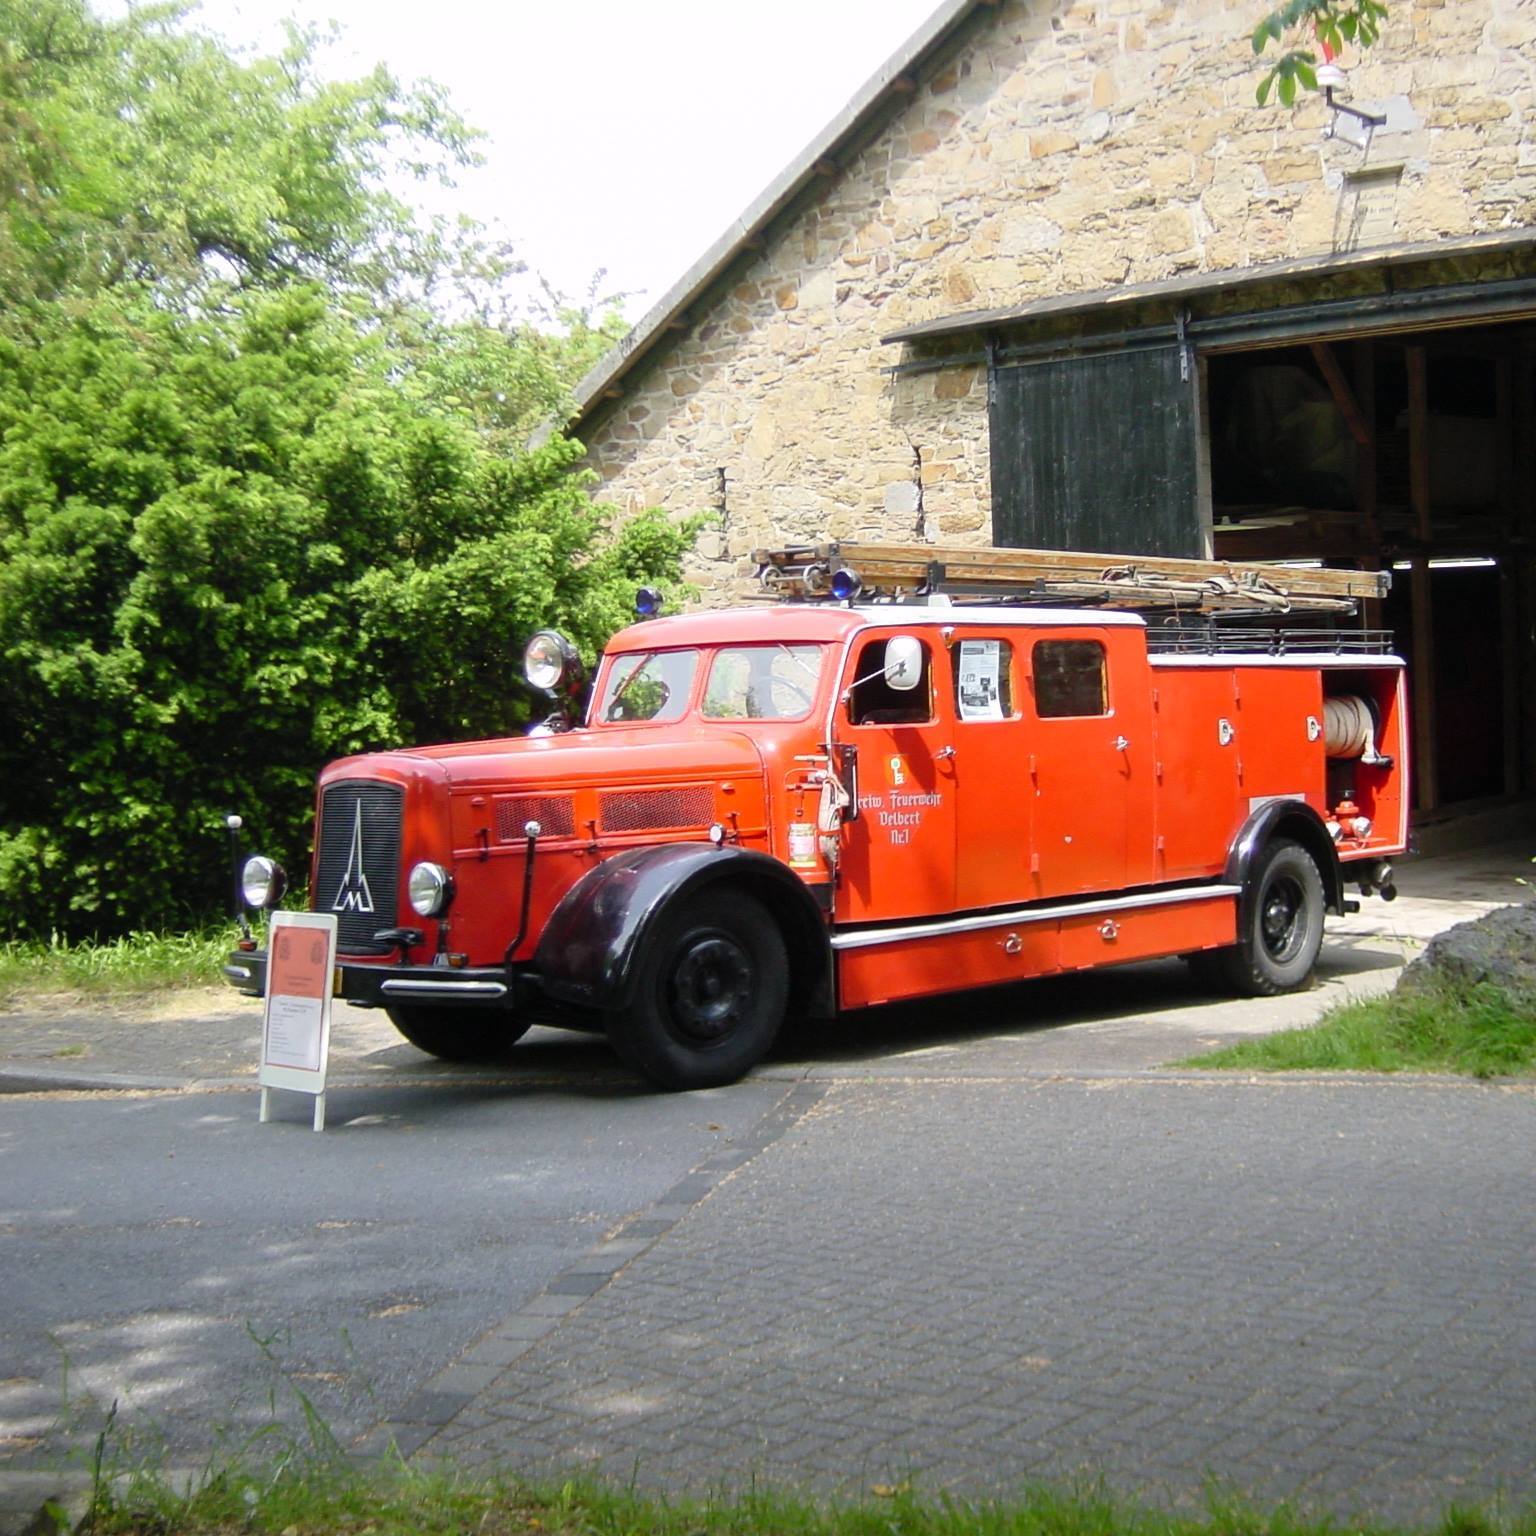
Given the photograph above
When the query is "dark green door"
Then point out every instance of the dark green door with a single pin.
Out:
(1097, 453)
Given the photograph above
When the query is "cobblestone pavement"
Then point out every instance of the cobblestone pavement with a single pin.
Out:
(1315, 1291)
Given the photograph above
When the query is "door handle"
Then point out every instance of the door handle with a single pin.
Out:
(944, 752)
(1120, 743)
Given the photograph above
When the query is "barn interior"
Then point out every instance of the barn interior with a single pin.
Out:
(1415, 452)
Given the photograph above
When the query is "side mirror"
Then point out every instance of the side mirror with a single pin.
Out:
(903, 662)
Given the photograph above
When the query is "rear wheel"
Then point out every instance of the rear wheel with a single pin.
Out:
(458, 1034)
(710, 993)
(1280, 926)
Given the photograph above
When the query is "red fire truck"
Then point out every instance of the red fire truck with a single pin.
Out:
(919, 770)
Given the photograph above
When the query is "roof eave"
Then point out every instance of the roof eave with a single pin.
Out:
(1128, 295)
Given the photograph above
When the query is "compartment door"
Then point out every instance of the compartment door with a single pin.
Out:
(1089, 760)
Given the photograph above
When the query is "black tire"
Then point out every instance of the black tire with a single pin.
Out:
(1280, 926)
(458, 1034)
(710, 992)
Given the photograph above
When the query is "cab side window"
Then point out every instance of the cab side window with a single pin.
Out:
(1070, 678)
(875, 702)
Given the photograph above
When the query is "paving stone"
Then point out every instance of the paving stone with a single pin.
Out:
(433, 1407)
(1319, 1292)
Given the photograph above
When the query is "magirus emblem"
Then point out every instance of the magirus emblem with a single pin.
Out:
(354, 895)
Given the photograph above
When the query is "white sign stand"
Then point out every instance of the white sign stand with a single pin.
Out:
(296, 1019)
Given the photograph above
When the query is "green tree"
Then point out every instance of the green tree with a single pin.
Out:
(235, 544)
(142, 150)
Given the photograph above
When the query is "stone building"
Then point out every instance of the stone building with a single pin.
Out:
(1054, 279)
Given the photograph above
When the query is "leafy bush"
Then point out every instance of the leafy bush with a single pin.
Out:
(235, 543)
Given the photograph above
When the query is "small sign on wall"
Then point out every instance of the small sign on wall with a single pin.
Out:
(296, 1017)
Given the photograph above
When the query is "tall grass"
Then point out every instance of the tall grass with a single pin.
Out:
(394, 1499)
(1479, 1031)
(130, 966)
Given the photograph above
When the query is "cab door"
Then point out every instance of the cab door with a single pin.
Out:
(898, 853)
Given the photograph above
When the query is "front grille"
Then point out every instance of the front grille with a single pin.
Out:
(644, 810)
(358, 871)
(555, 814)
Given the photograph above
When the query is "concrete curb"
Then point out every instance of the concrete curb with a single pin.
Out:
(41, 1080)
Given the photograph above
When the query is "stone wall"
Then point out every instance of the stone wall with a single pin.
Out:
(1066, 148)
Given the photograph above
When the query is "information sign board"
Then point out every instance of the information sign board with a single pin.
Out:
(296, 1019)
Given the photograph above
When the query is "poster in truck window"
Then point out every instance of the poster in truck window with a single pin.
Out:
(981, 679)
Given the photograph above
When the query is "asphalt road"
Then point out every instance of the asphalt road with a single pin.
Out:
(169, 1254)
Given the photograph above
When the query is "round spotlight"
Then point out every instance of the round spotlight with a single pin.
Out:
(429, 887)
(549, 660)
(846, 584)
(648, 602)
(262, 882)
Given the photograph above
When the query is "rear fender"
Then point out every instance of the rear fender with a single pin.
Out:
(590, 946)
(1296, 820)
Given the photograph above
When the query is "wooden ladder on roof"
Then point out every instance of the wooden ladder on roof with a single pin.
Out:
(847, 571)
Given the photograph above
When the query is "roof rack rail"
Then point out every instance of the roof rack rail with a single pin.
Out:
(847, 571)
(1171, 637)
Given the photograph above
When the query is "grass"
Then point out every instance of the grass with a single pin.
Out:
(300, 1496)
(127, 967)
(1479, 1031)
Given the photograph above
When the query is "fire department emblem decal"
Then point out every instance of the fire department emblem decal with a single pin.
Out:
(354, 895)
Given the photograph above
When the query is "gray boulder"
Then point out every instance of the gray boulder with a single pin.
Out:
(1498, 948)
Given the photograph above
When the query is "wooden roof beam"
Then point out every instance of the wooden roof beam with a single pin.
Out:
(1343, 395)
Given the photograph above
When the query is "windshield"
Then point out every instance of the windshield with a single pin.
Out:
(647, 685)
(763, 682)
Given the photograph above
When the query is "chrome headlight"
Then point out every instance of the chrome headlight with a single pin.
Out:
(430, 888)
(262, 882)
(550, 660)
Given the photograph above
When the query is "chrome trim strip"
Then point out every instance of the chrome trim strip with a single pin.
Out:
(424, 988)
(1314, 659)
(864, 938)
(238, 972)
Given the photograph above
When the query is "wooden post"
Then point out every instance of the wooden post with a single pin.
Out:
(1510, 663)
(1510, 659)
(1425, 773)
(1365, 472)
(1418, 445)
(1426, 768)
(1525, 581)
(1524, 566)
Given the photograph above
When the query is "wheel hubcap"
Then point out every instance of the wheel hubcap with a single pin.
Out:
(1280, 921)
(711, 987)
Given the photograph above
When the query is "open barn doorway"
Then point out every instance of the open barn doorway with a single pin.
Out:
(1413, 451)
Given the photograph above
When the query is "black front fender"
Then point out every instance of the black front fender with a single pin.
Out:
(1296, 820)
(588, 951)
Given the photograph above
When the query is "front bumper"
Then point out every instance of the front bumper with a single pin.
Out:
(492, 987)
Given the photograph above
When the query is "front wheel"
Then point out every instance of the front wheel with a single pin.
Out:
(1280, 925)
(710, 992)
(458, 1034)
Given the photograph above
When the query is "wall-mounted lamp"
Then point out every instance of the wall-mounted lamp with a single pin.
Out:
(1331, 78)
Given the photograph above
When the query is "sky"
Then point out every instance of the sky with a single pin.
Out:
(623, 137)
